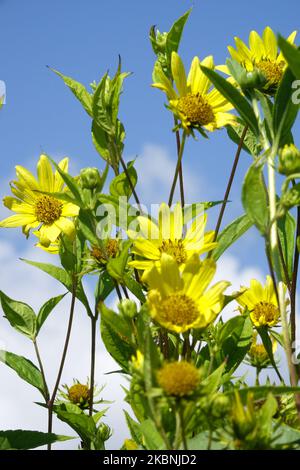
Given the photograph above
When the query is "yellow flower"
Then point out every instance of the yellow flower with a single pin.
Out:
(79, 394)
(258, 354)
(178, 378)
(261, 302)
(262, 54)
(179, 301)
(168, 237)
(35, 210)
(194, 103)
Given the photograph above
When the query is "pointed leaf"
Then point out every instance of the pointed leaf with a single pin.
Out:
(46, 309)
(20, 315)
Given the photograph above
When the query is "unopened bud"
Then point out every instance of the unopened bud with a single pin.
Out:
(90, 178)
(289, 160)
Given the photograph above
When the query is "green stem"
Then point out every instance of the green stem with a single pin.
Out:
(182, 427)
(181, 183)
(37, 352)
(94, 319)
(179, 160)
(63, 358)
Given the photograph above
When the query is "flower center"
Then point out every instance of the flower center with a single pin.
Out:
(265, 313)
(258, 352)
(273, 71)
(48, 209)
(179, 309)
(79, 394)
(174, 248)
(196, 108)
(178, 378)
(110, 251)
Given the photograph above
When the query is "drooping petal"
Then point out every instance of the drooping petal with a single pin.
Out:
(17, 220)
(170, 272)
(69, 210)
(146, 249)
(66, 226)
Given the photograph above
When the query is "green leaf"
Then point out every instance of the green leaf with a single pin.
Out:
(116, 336)
(20, 315)
(263, 333)
(231, 234)
(134, 287)
(285, 111)
(235, 97)
(24, 440)
(105, 286)
(116, 266)
(120, 185)
(153, 440)
(286, 234)
(134, 428)
(46, 309)
(254, 197)
(70, 182)
(235, 338)
(251, 144)
(87, 225)
(84, 425)
(211, 383)
(101, 142)
(175, 33)
(262, 391)
(100, 112)
(78, 90)
(201, 442)
(24, 368)
(291, 54)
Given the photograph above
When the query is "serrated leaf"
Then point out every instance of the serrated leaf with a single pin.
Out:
(24, 368)
(101, 142)
(234, 97)
(46, 309)
(20, 315)
(120, 185)
(250, 144)
(24, 440)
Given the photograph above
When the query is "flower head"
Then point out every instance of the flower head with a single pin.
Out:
(261, 302)
(178, 378)
(168, 237)
(262, 55)
(34, 205)
(179, 301)
(258, 355)
(79, 394)
(193, 102)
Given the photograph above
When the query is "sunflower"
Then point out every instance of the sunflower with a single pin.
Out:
(168, 237)
(261, 302)
(179, 301)
(34, 205)
(262, 54)
(194, 104)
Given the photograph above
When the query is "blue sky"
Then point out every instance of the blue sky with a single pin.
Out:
(83, 39)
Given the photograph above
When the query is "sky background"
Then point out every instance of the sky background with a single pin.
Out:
(82, 39)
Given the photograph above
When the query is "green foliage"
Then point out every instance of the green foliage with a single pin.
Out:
(254, 197)
(24, 440)
(231, 234)
(20, 315)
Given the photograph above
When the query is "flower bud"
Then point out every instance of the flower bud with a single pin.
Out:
(104, 432)
(253, 79)
(128, 308)
(90, 178)
(291, 198)
(289, 160)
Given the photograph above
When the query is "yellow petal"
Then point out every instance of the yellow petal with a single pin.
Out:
(146, 249)
(26, 178)
(270, 43)
(194, 76)
(201, 280)
(204, 82)
(176, 220)
(164, 222)
(243, 51)
(178, 73)
(49, 233)
(69, 210)
(170, 272)
(58, 181)
(45, 174)
(66, 226)
(257, 46)
(223, 119)
(17, 220)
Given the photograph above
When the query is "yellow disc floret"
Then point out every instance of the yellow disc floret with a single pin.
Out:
(272, 70)
(196, 109)
(265, 314)
(179, 309)
(79, 394)
(48, 209)
(174, 248)
(178, 378)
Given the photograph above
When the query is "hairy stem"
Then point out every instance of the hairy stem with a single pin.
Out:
(63, 358)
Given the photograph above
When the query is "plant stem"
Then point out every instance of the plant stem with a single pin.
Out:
(230, 181)
(294, 283)
(125, 169)
(181, 183)
(94, 319)
(64, 354)
(125, 291)
(179, 160)
(37, 352)
(182, 427)
(118, 291)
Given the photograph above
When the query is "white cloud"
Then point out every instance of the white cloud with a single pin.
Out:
(155, 169)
